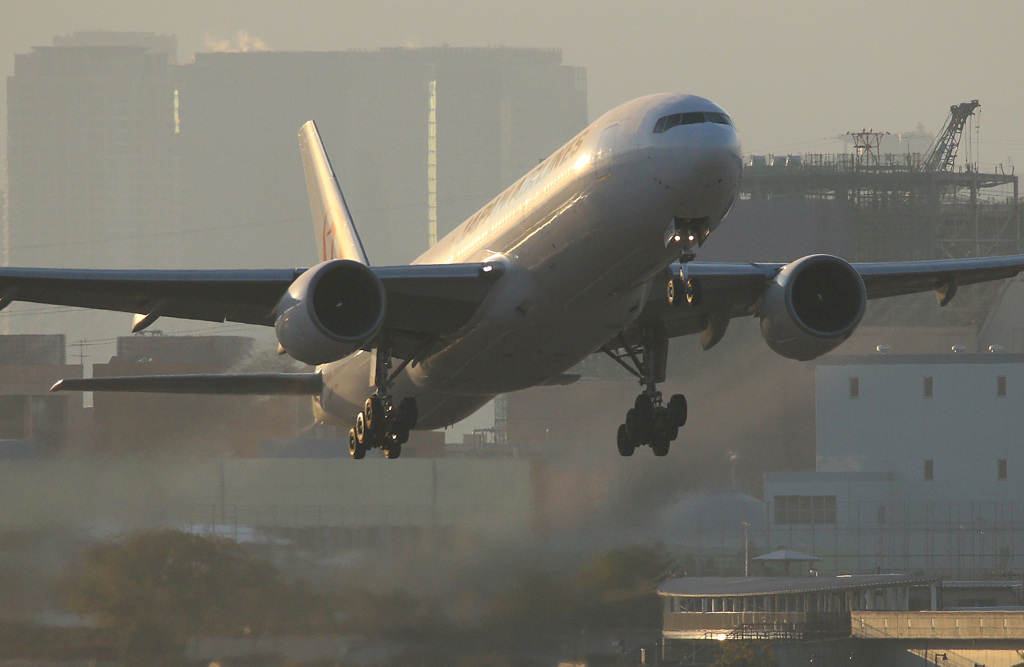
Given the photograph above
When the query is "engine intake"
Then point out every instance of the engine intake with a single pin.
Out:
(812, 306)
(330, 311)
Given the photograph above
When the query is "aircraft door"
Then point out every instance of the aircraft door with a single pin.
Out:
(603, 152)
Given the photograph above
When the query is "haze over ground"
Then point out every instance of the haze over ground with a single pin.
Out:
(792, 73)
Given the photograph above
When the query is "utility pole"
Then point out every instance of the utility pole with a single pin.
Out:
(746, 550)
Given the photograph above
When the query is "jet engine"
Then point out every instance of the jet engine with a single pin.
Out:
(812, 306)
(330, 311)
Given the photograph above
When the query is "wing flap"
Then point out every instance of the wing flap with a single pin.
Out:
(261, 384)
(436, 299)
(884, 279)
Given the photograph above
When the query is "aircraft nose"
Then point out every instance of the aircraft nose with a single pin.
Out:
(700, 156)
(717, 158)
(715, 148)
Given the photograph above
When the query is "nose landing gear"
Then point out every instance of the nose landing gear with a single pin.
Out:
(381, 423)
(683, 288)
(650, 421)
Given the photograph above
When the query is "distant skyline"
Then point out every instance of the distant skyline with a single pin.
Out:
(794, 74)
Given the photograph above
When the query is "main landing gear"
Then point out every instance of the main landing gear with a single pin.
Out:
(381, 423)
(650, 421)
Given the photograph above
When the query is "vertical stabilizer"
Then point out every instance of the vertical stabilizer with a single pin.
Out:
(336, 235)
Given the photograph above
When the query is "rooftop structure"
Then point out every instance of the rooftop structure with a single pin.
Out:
(784, 607)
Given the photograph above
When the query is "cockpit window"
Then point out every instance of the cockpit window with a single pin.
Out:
(720, 118)
(666, 123)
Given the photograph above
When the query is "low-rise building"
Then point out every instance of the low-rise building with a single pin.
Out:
(853, 620)
(34, 422)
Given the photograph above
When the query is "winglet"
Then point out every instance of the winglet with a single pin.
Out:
(336, 235)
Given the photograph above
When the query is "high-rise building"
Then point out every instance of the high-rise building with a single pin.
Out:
(416, 136)
(92, 163)
(91, 156)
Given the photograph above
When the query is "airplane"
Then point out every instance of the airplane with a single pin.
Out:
(589, 252)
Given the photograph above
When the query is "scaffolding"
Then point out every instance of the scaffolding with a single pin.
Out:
(902, 210)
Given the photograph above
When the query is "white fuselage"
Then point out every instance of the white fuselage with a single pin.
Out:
(581, 237)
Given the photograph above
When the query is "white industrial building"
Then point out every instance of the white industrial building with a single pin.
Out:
(919, 467)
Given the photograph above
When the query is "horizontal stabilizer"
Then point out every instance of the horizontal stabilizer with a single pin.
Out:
(263, 384)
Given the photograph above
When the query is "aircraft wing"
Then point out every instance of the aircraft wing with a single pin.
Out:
(424, 301)
(733, 289)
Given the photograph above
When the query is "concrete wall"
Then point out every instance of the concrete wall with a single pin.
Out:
(966, 625)
(120, 494)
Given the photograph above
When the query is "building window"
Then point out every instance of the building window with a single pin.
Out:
(1002, 469)
(1001, 385)
(854, 387)
(805, 510)
(928, 387)
(929, 470)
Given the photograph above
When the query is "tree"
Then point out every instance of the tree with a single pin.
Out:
(158, 589)
(746, 654)
(617, 589)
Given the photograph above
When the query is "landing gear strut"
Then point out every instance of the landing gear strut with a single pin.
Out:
(650, 421)
(381, 423)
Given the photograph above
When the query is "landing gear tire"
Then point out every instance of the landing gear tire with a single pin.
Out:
(677, 410)
(633, 427)
(373, 411)
(626, 446)
(674, 290)
(694, 291)
(679, 291)
(355, 448)
(362, 433)
(393, 448)
(664, 433)
(644, 407)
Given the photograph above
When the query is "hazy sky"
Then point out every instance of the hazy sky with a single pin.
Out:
(791, 73)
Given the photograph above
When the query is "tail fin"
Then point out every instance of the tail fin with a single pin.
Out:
(336, 235)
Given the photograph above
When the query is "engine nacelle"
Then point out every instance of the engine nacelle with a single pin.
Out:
(330, 311)
(812, 306)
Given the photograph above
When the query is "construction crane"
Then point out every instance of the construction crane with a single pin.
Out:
(942, 154)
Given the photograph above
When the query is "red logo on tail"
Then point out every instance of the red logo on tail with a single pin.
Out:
(327, 240)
